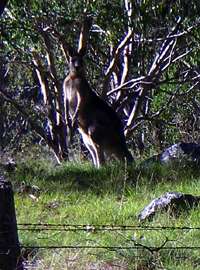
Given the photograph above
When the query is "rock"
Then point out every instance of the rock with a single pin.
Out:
(172, 202)
(179, 152)
(173, 152)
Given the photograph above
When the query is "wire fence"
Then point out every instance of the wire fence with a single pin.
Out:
(42, 227)
(132, 251)
(138, 250)
(97, 227)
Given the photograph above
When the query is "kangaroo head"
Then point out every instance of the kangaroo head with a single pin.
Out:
(76, 63)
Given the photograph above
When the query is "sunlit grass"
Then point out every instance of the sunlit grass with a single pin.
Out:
(80, 194)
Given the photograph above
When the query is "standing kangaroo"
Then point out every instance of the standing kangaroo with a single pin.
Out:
(100, 127)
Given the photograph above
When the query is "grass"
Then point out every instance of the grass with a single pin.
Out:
(80, 194)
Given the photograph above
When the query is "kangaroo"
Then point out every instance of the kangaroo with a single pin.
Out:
(101, 128)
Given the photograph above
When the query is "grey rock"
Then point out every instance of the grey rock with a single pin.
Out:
(179, 152)
(172, 202)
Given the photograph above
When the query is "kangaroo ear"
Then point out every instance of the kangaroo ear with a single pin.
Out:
(82, 52)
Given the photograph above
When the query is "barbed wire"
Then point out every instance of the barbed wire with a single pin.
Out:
(95, 227)
(105, 227)
(132, 245)
(110, 247)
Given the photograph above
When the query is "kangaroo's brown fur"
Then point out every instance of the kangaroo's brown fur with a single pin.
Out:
(99, 125)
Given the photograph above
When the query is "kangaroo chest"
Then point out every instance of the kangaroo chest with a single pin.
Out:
(72, 97)
(80, 102)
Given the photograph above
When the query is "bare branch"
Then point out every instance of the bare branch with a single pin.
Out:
(134, 110)
(41, 76)
(50, 57)
(187, 31)
(117, 52)
(134, 82)
(159, 64)
(59, 106)
(182, 55)
(128, 48)
(152, 249)
(47, 93)
(113, 62)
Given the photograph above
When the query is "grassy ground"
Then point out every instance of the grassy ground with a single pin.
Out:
(114, 195)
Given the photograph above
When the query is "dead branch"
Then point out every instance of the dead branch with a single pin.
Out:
(41, 76)
(113, 62)
(117, 52)
(152, 249)
(50, 56)
(46, 91)
(59, 106)
(127, 85)
(162, 61)
(128, 48)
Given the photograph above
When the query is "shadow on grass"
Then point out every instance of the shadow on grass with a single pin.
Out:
(110, 178)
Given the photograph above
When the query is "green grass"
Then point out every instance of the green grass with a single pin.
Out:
(80, 194)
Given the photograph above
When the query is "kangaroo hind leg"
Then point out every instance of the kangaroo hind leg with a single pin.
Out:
(97, 155)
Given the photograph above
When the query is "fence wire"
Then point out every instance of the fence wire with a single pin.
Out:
(132, 245)
(150, 248)
(96, 227)
(39, 227)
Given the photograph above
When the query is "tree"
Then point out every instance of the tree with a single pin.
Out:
(144, 62)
